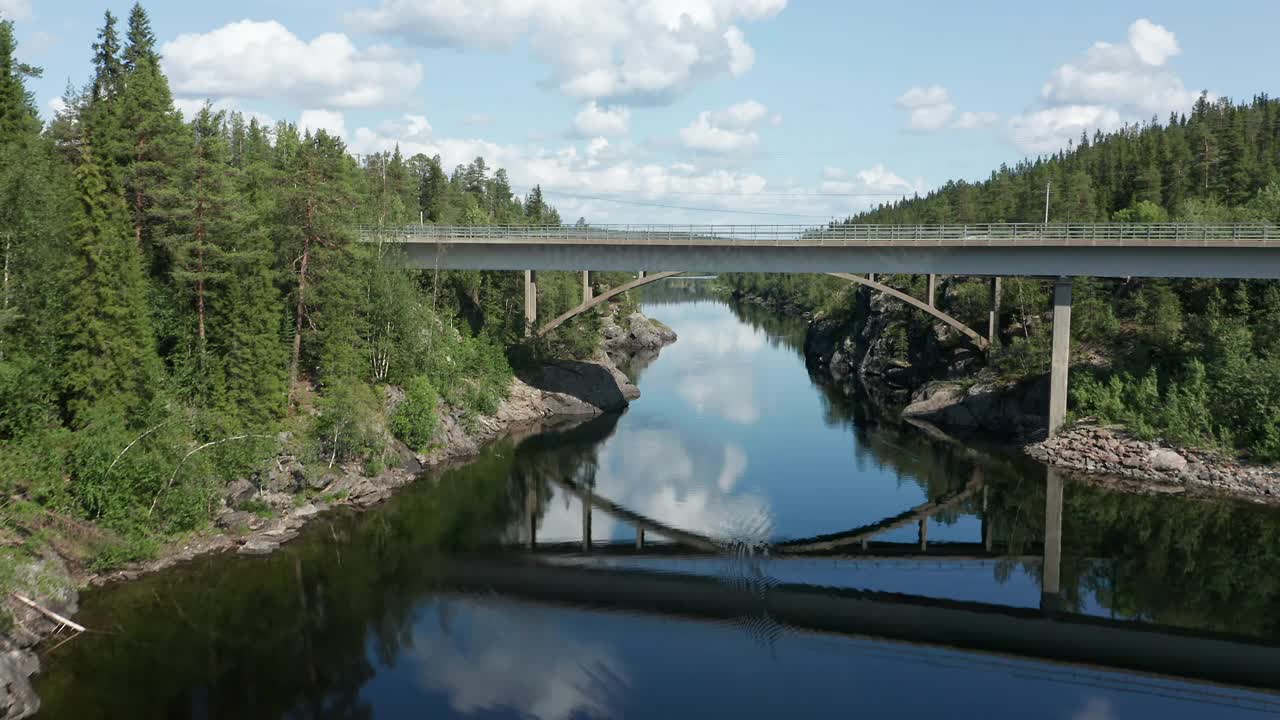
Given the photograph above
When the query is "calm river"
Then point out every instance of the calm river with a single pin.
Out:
(430, 605)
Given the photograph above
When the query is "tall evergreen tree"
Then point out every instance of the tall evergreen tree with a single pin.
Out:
(111, 357)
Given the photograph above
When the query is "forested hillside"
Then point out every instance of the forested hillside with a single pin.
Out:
(1195, 361)
(177, 291)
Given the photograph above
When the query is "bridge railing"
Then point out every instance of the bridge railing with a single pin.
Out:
(1002, 233)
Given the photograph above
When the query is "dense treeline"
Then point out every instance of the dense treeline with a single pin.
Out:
(1195, 361)
(178, 291)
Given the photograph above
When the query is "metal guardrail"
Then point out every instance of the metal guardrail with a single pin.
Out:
(1163, 234)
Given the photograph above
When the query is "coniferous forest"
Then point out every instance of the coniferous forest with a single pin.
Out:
(180, 291)
(1193, 361)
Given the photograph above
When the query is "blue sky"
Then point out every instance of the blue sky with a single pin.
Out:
(752, 111)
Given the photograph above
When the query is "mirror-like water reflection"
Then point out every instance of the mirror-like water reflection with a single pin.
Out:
(428, 607)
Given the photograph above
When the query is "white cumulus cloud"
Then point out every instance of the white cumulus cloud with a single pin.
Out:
(731, 130)
(596, 121)
(331, 122)
(1045, 131)
(931, 108)
(642, 50)
(266, 60)
(15, 9)
(1108, 85)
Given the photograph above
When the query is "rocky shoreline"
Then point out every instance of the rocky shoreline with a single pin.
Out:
(557, 392)
(956, 392)
(1110, 454)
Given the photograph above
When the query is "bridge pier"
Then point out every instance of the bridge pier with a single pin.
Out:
(993, 318)
(530, 301)
(586, 285)
(924, 534)
(1061, 354)
(1051, 570)
(531, 511)
(586, 518)
(933, 287)
(639, 538)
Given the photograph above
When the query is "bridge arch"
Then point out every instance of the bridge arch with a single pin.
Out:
(605, 297)
(568, 315)
(981, 342)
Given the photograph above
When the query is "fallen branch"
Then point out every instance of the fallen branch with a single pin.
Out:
(135, 442)
(173, 477)
(48, 613)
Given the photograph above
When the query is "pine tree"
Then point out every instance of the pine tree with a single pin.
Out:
(201, 224)
(111, 361)
(317, 232)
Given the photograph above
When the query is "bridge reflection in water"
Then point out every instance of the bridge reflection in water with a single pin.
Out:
(596, 575)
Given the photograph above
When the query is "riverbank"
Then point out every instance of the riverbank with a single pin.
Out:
(261, 513)
(957, 391)
(1111, 456)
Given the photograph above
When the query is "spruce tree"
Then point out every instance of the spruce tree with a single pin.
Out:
(111, 359)
(152, 138)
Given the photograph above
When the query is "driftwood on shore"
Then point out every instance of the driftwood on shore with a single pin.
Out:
(64, 621)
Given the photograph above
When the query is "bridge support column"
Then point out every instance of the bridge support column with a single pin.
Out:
(586, 285)
(1061, 359)
(531, 509)
(639, 538)
(530, 300)
(933, 287)
(924, 534)
(586, 519)
(642, 274)
(1051, 570)
(993, 318)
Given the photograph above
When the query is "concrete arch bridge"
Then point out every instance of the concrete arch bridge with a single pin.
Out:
(1060, 251)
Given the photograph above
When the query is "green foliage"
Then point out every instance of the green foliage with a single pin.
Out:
(415, 419)
(348, 426)
(1142, 212)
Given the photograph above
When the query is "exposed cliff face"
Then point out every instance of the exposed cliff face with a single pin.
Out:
(1016, 409)
(879, 348)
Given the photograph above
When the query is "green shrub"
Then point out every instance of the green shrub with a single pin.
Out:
(347, 427)
(415, 420)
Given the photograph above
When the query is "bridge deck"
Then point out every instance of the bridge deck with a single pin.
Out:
(1102, 250)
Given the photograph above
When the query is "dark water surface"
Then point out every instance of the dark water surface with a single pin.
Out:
(429, 606)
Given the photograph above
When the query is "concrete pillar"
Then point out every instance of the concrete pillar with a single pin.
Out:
(871, 277)
(531, 509)
(530, 300)
(586, 519)
(639, 538)
(642, 274)
(1061, 363)
(924, 534)
(1051, 570)
(933, 288)
(993, 318)
(586, 286)
(986, 523)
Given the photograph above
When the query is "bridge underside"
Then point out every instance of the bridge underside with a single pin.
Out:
(1189, 261)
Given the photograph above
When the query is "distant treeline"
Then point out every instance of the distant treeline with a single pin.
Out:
(1196, 361)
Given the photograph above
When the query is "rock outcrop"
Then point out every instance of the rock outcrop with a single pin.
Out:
(1110, 451)
(633, 334)
(46, 581)
(1016, 409)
